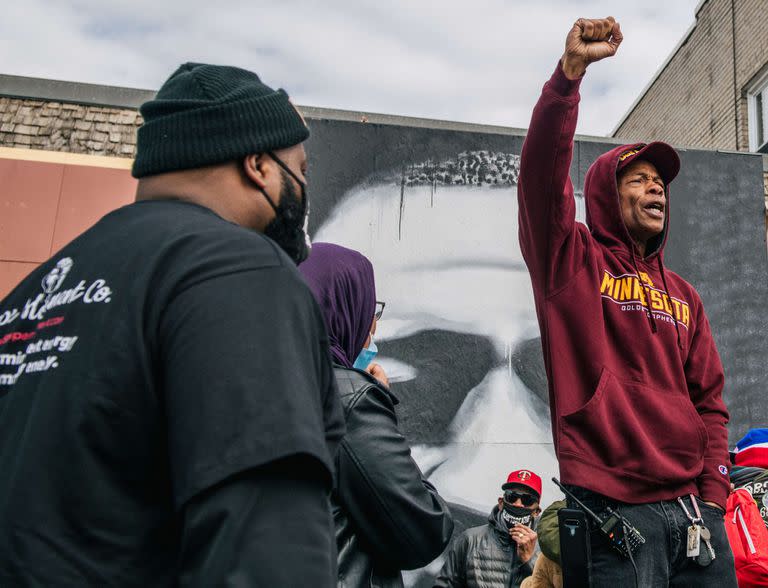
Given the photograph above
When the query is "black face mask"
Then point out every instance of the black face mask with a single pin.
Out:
(288, 228)
(513, 515)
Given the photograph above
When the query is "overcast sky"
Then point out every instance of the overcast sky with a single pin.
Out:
(480, 61)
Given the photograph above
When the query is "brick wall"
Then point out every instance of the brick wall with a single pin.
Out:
(751, 54)
(75, 128)
(692, 101)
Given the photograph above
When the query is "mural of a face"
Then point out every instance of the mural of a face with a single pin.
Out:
(459, 338)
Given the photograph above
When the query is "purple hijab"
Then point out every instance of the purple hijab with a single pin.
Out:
(342, 281)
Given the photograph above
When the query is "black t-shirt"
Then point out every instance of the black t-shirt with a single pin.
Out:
(158, 354)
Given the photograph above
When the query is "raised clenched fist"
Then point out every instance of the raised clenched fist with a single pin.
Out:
(590, 40)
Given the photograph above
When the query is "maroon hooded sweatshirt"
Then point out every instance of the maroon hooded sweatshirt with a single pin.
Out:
(635, 380)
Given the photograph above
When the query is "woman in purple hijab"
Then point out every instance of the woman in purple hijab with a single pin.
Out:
(388, 517)
(343, 284)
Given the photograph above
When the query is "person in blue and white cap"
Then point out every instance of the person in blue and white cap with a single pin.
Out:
(750, 470)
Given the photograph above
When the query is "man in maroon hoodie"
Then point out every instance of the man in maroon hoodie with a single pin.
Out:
(635, 380)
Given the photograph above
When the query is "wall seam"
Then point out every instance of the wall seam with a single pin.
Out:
(56, 217)
(735, 85)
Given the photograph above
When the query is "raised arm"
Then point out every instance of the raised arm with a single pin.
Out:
(545, 192)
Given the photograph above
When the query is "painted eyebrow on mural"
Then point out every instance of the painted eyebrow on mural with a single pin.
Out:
(468, 168)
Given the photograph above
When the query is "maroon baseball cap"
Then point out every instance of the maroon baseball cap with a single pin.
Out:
(523, 478)
(661, 155)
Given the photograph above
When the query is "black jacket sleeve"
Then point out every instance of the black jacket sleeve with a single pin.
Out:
(268, 526)
(397, 513)
(453, 574)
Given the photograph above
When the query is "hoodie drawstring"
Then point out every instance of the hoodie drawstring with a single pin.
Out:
(651, 319)
(666, 290)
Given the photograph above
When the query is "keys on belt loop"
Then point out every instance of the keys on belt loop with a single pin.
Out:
(706, 557)
(697, 533)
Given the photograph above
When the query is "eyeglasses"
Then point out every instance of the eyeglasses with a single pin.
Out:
(379, 309)
(524, 497)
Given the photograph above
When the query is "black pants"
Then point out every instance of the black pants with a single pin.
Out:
(661, 561)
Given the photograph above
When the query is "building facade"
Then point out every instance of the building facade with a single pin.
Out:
(69, 117)
(712, 91)
(61, 143)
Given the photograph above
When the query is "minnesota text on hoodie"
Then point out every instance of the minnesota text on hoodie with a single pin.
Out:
(635, 379)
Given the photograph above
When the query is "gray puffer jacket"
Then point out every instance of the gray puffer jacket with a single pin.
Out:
(484, 557)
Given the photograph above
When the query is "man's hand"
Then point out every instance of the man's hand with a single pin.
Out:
(378, 372)
(588, 41)
(526, 541)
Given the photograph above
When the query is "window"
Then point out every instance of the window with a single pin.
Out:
(757, 96)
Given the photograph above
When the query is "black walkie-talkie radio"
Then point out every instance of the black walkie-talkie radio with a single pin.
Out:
(622, 536)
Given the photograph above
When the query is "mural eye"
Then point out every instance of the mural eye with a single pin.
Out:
(453, 363)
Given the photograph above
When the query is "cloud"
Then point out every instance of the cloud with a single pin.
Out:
(482, 62)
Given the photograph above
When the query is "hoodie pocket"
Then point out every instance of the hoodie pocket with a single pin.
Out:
(638, 430)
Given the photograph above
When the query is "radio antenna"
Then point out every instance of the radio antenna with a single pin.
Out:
(579, 502)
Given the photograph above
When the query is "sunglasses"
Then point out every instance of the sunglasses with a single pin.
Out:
(379, 310)
(524, 497)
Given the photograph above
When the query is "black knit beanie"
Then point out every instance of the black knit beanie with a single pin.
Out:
(209, 114)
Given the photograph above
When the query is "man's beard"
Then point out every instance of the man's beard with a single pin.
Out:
(287, 228)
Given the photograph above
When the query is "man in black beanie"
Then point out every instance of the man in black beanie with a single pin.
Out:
(214, 131)
(167, 403)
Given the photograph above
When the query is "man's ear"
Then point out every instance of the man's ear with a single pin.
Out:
(256, 168)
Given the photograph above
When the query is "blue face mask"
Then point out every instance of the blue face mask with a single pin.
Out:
(366, 356)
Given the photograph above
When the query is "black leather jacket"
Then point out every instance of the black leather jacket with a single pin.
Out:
(388, 517)
(484, 557)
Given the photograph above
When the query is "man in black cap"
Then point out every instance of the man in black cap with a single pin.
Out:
(167, 403)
